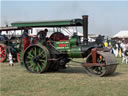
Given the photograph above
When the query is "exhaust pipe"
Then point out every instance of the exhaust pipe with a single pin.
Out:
(85, 29)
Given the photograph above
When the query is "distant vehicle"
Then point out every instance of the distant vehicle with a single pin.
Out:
(9, 40)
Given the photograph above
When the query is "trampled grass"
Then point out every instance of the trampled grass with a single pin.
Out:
(74, 81)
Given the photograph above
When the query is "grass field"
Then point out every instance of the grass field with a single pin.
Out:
(74, 81)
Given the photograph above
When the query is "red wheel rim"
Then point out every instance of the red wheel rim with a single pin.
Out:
(2, 53)
(18, 57)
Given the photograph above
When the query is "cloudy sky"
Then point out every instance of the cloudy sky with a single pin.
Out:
(105, 17)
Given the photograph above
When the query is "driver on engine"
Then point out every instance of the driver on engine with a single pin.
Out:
(26, 39)
(42, 36)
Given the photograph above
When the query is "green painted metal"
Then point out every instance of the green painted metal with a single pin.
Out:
(75, 52)
(21, 51)
(58, 46)
(21, 58)
(73, 41)
(58, 23)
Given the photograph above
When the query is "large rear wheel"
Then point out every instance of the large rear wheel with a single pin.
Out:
(105, 58)
(36, 59)
(3, 53)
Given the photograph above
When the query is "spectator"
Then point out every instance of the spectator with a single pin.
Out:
(111, 49)
(115, 50)
(123, 48)
(126, 55)
(105, 44)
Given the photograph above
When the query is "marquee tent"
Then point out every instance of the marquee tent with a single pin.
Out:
(121, 34)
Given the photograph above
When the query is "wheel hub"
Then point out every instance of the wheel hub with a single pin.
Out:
(36, 59)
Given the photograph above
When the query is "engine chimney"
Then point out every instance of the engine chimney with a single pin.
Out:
(85, 28)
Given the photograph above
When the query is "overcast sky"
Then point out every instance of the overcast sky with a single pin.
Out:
(105, 17)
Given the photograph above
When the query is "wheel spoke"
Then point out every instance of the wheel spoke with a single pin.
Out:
(39, 66)
(41, 53)
(3, 52)
(3, 55)
(44, 62)
(30, 61)
(99, 72)
(35, 50)
(29, 57)
(30, 54)
(35, 68)
(0, 48)
(32, 66)
(43, 57)
(41, 60)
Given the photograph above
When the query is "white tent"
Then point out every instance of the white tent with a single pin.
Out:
(121, 34)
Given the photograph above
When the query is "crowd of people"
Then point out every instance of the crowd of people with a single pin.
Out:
(119, 49)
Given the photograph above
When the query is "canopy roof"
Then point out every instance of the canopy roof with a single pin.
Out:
(58, 23)
(121, 34)
(9, 28)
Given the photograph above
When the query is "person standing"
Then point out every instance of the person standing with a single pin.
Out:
(26, 38)
(105, 44)
(126, 54)
(116, 50)
(10, 57)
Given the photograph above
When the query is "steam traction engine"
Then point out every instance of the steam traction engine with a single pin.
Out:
(59, 50)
